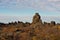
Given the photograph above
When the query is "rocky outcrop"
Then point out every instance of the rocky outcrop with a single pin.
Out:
(36, 18)
(53, 23)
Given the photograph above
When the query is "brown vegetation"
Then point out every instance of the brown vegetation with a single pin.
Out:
(30, 31)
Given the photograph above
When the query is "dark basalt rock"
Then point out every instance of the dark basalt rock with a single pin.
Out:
(53, 23)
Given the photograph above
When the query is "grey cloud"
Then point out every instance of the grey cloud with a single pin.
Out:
(45, 5)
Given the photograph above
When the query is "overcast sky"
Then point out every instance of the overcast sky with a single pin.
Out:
(25, 8)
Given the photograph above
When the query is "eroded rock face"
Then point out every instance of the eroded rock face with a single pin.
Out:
(36, 18)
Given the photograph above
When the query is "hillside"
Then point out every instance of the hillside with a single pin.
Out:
(37, 30)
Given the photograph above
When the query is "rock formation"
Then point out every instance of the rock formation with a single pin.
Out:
(53, 23)
(30, 31)
(37, 18)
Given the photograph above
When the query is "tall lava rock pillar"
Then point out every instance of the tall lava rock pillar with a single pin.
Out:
(37, 18)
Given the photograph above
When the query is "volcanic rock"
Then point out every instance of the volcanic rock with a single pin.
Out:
(36, 18)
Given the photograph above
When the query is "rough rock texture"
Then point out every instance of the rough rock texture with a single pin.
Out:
(37, 18)
(30, 31)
